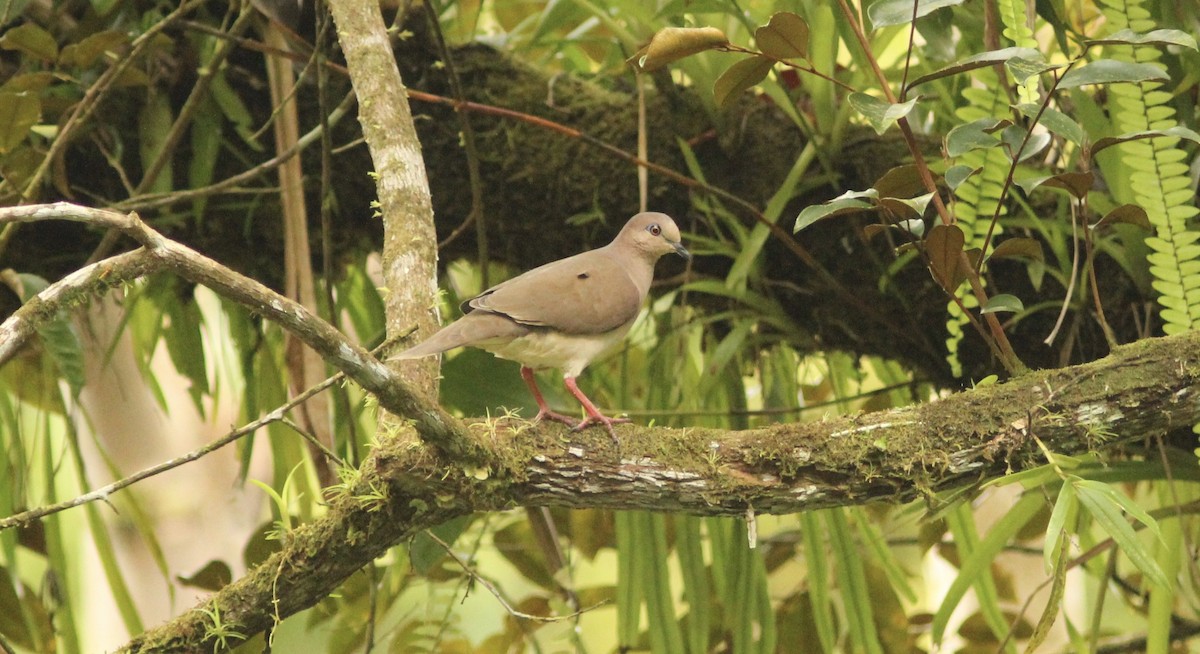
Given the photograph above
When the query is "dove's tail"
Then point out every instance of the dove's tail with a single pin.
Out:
(475, 328)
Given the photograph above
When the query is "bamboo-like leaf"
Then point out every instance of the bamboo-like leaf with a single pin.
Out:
(1177, 131)
(978, 562)
(1054, 602)
(739, 77)
(696, 586)
(785, 36)
(663, 628)
(879, 113)
(886, 13)
(1153, 37)
(1109, 71)
(629, 597)
(980, 60)
(853, 583)
(1105, 505)
(944, 247)
(1054, 546)
(896, 574)
(818, 580)
(674, 43)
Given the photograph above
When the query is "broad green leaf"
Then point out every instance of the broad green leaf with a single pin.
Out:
(785, 36)
(1003, 302)
(1014, 135)
(1130, 214)
(1055, 121)
(1177, 131)
(1154, 37)
(1022, 68)
(989, 58)
(957, 174)
(1109, 71)
(1018, 246)
(86, 52)
(674, 43)
(974, 135)
(1102, 503)
(886, 13)
(18, 112)
(879, 113)
(32, 40)
(739, 77)
(900, 182)
(906, 209)
(1077, 184)
(835, 207)
(944, 247)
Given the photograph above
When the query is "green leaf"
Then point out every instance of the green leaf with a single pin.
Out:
(906, 209)
(1014, 135)
(975, 135)
(739, 77)
(980, 60)
(1018, 246)
(1003, 302)
(1077, 184)
(1177, 131)
(1109, 71)
(58, 335)
(1053, 548)
(879, 113)
(886, 13)
(32, 40)
(674, 43)
(836, 207)
(18, 112)
(1155, 37)
(959, 173)
(1130, 214)
(1022, 68)
(944, 247)
(1055, 121)
(86, 52)
(900, 182)
(215, 575)
(1105, 505)
(785, 36)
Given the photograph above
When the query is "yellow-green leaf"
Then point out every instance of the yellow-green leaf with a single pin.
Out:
(674, 43)
(785, 36)
(739, 77)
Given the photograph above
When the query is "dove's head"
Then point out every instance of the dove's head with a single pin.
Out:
(653, 234)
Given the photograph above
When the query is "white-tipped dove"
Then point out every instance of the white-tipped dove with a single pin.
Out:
(565, 313)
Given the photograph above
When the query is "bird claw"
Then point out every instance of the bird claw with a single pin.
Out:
(602, 420)
(547, 414)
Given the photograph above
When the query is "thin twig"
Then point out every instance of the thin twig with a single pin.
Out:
(499, 596)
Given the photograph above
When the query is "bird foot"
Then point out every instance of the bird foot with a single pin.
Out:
(602, 420)
(547, 414)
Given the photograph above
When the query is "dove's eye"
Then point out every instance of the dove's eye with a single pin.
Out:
(654, 229)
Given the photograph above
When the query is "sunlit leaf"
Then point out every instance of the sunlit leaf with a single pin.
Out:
(18, 112)
(1105, 504)
(898, 12)
(989, 58)
(785, 36)
(1064, 507)
(879, 113)
(32, 40)
(1154, 37)
(1022, 68)
(739, 77)
(1003, 302)
(903, 208)
(1109, 71)
(1177, 131)
(1130, 214)
(674, 43)
(944, 247)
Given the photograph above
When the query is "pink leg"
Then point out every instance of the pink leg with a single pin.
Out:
(544, 412)
(594, 415)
